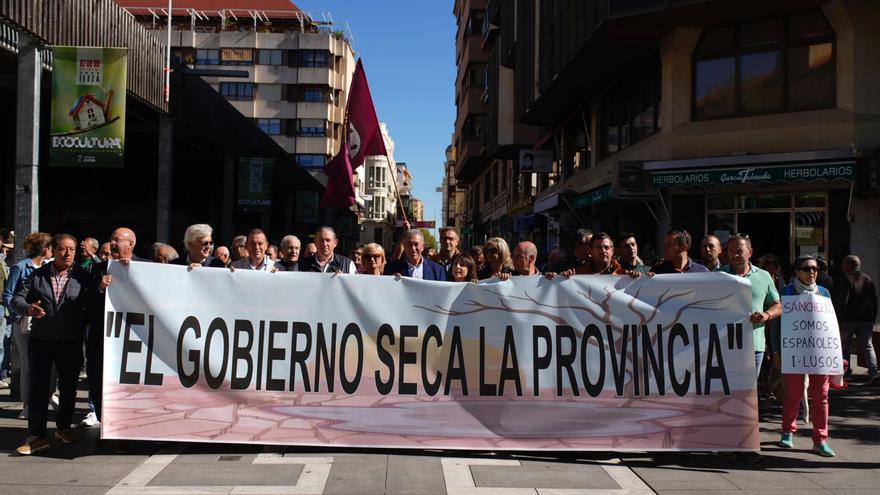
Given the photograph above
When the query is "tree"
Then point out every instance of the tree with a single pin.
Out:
(430, 240)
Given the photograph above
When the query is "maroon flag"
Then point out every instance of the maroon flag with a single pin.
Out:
(340, 186)
(364, 137)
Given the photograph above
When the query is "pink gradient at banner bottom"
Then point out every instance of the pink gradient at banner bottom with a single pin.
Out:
(708, 423)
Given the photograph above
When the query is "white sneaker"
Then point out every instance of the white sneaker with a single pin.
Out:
(24, 413)
(53, 401)
(91, 419)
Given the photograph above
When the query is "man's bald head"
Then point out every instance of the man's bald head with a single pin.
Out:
(122, 242)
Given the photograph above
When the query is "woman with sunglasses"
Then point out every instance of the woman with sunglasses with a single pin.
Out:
(806, 268)
(498, 260)
(373, 259)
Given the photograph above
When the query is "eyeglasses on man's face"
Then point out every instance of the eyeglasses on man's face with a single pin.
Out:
(810, 269)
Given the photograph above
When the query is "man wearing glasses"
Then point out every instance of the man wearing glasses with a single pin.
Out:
(199, 247)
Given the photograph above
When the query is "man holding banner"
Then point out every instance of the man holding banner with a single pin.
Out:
(809, 343)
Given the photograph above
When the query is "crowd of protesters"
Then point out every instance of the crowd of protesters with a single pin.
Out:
(53, 303)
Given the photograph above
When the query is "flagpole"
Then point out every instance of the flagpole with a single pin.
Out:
(396, 189)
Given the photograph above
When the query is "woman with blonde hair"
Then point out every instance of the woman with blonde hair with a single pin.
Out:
(373, 259)
(498, 260)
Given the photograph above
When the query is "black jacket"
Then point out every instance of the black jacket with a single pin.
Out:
(210, 261)
(65, 320)
(855, 298)
(338, 263)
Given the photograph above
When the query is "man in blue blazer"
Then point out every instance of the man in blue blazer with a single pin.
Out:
(413, 264)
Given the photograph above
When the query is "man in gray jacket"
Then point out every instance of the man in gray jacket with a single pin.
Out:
(56, 297)
(855, 302)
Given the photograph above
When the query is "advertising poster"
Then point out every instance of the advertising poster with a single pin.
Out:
(88, 107)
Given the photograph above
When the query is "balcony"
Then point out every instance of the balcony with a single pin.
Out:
(316, 75)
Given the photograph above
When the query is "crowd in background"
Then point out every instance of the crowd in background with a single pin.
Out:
(53, 298)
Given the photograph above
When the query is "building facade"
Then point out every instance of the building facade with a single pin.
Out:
(298, 70)
(380, 200)
(713, 116)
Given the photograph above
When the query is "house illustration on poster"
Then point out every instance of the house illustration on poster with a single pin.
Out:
(89, 112)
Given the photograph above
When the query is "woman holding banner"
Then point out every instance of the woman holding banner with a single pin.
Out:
(806, 269)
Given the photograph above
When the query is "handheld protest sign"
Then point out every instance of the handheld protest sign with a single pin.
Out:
(810, 336)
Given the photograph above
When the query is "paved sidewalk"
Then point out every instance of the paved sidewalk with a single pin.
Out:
(154, 468)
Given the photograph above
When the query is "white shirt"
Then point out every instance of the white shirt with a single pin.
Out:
(416, 271)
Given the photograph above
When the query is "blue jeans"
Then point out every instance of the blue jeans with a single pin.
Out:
(5, 346)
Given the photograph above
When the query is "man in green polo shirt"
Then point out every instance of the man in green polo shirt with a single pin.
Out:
(765, 297)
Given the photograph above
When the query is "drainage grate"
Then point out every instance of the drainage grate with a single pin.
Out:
(229, 458)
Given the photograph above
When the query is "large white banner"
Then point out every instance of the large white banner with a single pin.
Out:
(587, 363)
(810, 336)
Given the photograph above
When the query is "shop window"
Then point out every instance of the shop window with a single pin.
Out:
(815, 200)
(630, 111)
(208, 56)
(237, 56)
(766, 201)
(809, 235)
(237, 91)
(721, 202)
(772, 66)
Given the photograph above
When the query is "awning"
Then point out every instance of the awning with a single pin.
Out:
(779, 174)
(593, 197)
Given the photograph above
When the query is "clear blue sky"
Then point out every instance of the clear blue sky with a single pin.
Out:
(408, 49)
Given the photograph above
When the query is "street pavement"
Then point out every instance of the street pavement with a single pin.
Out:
(154, 468)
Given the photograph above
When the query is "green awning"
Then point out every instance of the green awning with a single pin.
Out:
(780, 174)
(592, 197)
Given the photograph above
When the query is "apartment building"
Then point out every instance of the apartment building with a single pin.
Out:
(709, 115)
(298, 69)
(377, 190)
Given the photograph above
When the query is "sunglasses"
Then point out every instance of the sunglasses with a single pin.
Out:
(740, 236)
(207, 243)
(490, 251)
(373, 256)
(810, 269)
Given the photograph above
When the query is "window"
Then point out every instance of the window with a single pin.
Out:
(772, 66)
(314, 58)
(474, 75)
(314, 95)
(474, 26)
(312, 128)
(376, 207)
(271, 127)
(237, 56)
(208, 57)
(375, 177)
(237, 91)
(631, 110)
(269, 57)
(311, 161)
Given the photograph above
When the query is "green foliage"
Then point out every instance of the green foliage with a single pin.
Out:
(430, 240)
